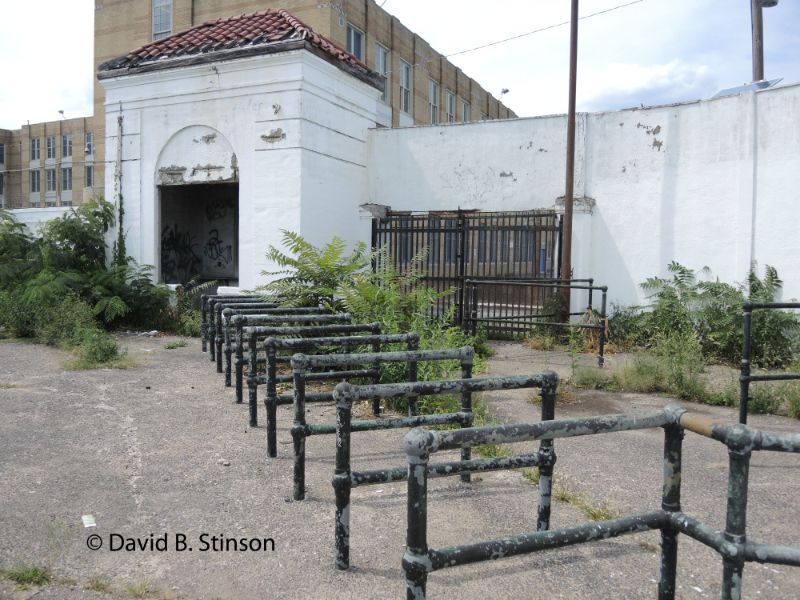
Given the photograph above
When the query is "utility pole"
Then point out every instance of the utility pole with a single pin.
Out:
(566, 240)
(757, 24)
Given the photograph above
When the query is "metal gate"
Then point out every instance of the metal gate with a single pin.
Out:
(465, 245)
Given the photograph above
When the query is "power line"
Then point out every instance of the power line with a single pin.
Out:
(521, 35)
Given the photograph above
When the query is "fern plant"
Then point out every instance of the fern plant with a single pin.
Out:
(310, 276)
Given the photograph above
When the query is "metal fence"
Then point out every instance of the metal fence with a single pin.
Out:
(745, 377)
(463, 245)
(733, 544)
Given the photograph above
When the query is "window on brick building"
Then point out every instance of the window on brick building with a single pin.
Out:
(355, 42)
(162, 18)
(35, 184)
(50, 180)
(35, 149)
(66, 179)
(66, 146)
(405, 87)
(465, 112)
(450, 106)
(50, 146)
(433, 100)
(89, 182)
(89, 143)
(382, 67)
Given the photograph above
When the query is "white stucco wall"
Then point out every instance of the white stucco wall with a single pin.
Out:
(709, 183)
(296, 123)
(32, 218)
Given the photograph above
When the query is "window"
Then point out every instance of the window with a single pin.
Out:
(162, 18)
(433, 100)
(89, 176)
(382, 67)
(50, 145)
(50, 180)
(66, 179)
(2, 154)
(35, 185)
(465, 117)
(1, 184)
(35, 149)
(405, 87)
(89, 143)
(355, 42)
(66, 146)
(450, 106)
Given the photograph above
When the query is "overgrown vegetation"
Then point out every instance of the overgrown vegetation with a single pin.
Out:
(57, 288)
(711, 312)
(332, 277)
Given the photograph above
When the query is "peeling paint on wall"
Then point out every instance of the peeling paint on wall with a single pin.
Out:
(276, 135)
(171, 175)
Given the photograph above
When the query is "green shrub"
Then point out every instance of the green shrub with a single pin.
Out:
(310, 275)
(69, 260)
(712, 311)
(98, 347)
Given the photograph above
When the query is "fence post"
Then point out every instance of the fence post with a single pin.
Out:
(252, 368)
(416, 560)
(670, 502)
(376, 365)
(218, 334)
(341, 476)
(239, 320)
(203, 322)
(744, 371)
(299, 426)
(466, 404)
(271, 400)
(547, 454)
(736, 516)
(211, 329)
(461, 259)
(603, 326)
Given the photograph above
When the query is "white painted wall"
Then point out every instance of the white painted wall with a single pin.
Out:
(296, 123)
(32, 218)
(684, 182)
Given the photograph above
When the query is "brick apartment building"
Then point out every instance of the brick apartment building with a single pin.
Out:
(58, 163)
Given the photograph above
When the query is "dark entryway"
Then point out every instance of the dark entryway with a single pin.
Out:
(199, 232)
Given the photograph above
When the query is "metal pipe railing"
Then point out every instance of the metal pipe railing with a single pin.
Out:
(732, 544)
(344, 479)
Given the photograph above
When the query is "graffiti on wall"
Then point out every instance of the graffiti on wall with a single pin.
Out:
(217, 251)
(179, 261)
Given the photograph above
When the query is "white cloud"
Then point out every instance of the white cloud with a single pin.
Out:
(628, 85)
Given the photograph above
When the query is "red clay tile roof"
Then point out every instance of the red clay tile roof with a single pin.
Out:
(245, 31)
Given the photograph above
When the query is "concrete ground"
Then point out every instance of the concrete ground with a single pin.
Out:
(162, 448)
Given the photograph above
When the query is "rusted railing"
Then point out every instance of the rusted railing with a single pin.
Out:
(345, 394)
(254, 329)
(301, 365)
(732, 544)
(206, 324)
(228, 337)
(744, 374)
(344, 345)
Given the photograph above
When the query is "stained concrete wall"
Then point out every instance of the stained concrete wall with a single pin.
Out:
(708, 183)
(296, 124)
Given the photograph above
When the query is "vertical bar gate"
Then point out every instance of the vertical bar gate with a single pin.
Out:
(464, 245)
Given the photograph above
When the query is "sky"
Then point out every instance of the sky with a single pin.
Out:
(649, 52)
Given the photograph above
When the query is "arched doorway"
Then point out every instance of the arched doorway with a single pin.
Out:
(198, 192)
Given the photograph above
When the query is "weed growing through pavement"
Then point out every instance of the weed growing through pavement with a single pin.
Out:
(25, 575)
